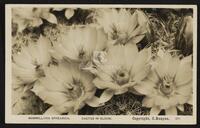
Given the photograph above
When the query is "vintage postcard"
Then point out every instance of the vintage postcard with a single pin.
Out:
(101, 64)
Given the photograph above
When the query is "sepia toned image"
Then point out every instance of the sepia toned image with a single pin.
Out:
(101, 61)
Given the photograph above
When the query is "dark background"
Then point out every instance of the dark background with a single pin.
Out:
(2, 60)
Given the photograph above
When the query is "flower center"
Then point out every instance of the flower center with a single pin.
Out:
(115, 33)
(38, 68)
(81, 54)
(167, 85)
(75, 89)
(39, 71)
(121, 76)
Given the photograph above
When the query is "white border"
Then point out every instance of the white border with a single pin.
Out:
(94, 119)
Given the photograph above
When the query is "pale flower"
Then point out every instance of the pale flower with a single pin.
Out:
(69, 12)
(28, 104)
(28, 65)
(18, 90)
(168, 85)
(121, 68)
(31, 17)
(23, 100)
(66, 88)
(122, 26)
(79, 43)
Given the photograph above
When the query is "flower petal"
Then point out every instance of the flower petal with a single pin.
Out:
(65, 107)
(116, 55)
(181, 107)
(36, 22)
(23, 59)
(148, 102)
(26, 75)
(99, 57)
(58, 9)
(17, 93)
(94, 102)
(181, 99)
(137, 39)
(132, 90)
(145, 87)
(153, 76)
(69, 13)
(171, 111)
(21, 25)
(58, 51)
(106, 95)
(103, 84)
(142, 18)
(102, 39)
(50, 97)
(142, 74)
(164, 102)
(184, 90)
(51, 111)
(140, 30)
(173, 66)
(79, 104)
(184, 74)
(73, 113)
(131, 51)
(51, 18)
(155, 111)
(141, 61)
(88, 95)
(120, 91)
(99, 84)
(43, 49)
(190, 101)
(105, 71)
(162, 64)
(51, 84)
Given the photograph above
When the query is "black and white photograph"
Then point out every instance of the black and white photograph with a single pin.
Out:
(101, 61)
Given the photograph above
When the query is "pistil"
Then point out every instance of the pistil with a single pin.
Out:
(121, 77)
(167, 85)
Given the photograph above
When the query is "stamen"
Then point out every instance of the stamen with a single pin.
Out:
(81, 52)
(76, 89)
(121, 76)
(166, 85)
(115, 33)
(39, 71)
(68, 86)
